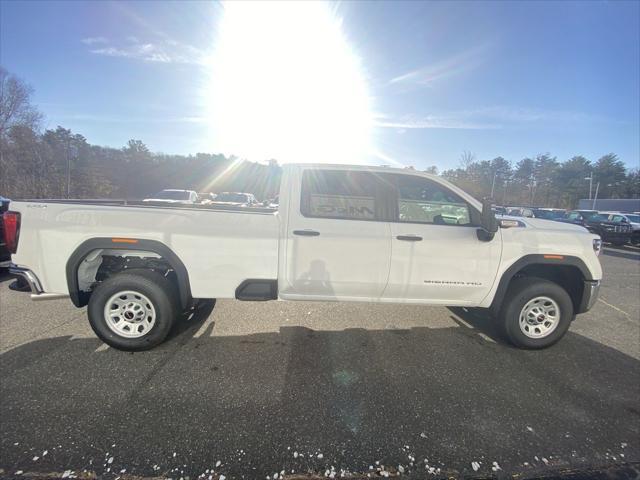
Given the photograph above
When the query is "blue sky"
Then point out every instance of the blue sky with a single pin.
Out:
(495, 78)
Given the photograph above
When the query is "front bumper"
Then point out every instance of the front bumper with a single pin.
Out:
(616, 237)
(590, 294)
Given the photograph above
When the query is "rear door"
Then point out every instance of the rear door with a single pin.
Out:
(338, 241)
(436, 254)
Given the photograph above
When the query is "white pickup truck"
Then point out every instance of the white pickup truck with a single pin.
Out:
(341, 233)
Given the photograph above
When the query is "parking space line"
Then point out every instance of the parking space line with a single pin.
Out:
(203, 328)
(463, 322)
(486, 337)
(615, 308)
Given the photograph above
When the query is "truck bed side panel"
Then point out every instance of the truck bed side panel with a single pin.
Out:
(220, 249)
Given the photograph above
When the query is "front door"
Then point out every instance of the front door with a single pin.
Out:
(436, 254)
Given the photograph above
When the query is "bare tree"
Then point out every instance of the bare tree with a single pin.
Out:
(15, 104)
(466, 159)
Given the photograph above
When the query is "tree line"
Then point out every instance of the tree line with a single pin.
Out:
(544, 180)
(58, 163)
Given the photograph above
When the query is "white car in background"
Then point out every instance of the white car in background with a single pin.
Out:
(236, 199)
(174, 196)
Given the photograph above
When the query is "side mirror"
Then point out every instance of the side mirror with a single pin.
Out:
(488, 222)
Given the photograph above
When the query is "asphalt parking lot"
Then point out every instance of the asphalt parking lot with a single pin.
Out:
(260, 389)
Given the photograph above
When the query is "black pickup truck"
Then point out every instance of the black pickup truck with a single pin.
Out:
(616, 233)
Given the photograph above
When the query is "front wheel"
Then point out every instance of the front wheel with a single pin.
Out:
(536, 313)
(133, 310)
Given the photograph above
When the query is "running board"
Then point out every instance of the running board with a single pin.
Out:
(257, 290)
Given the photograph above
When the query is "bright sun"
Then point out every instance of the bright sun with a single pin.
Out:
(286, 85)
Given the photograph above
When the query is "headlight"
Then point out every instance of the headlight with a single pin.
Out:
(597, 246)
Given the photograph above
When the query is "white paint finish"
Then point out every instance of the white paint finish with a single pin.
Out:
(220, 249)
(351, 260)
(448, 266)
(545, 237)
(348, 260)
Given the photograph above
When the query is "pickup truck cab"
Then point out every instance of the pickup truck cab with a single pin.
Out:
(341, 233)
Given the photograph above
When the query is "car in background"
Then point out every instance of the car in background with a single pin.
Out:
(185, 197)
(236, 199)
(273, 203)
(5, 254)
(520, 212)
(632, 218)
(549, 213)
(616, 233)
(206, 198)
(498, 210)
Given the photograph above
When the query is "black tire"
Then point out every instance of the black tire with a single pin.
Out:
(159, 291)
(520, 292)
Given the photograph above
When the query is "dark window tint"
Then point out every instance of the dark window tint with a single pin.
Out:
(343, 194)
(421, 200)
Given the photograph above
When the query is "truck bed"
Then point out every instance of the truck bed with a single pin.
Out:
(221, 246)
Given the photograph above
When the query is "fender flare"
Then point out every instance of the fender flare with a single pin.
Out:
(536, 259)
(80, 298)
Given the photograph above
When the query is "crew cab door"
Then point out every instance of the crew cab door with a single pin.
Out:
(436, 254)
(338, 243)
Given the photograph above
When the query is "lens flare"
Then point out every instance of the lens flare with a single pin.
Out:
(286, 85)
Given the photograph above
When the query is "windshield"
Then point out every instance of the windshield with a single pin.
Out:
(172, 195)
(232, 197)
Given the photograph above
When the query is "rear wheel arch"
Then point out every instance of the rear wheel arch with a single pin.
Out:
(568, 271)
(80, 297)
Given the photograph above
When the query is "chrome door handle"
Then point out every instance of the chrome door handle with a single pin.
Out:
(410, 238)
(306, 233)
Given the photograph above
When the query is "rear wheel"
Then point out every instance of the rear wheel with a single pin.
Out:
(133, 310)
(536, 313)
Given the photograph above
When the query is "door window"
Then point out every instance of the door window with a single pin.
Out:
(341, 194)
(421, 200)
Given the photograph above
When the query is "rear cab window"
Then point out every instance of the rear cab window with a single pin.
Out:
(341, 194)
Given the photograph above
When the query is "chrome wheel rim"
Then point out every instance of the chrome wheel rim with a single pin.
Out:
(539, 317)
(129, 314)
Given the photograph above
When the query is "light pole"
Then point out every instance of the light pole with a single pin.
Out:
(595, 199)
(68, 167)
(493, 184)
(590, 178)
